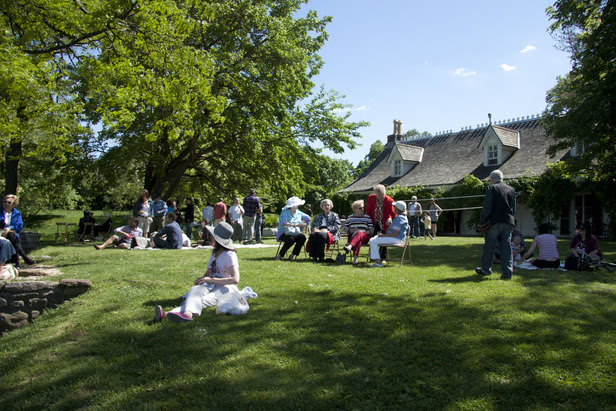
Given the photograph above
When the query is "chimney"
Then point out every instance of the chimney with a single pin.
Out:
(490, 118)
(397, 134)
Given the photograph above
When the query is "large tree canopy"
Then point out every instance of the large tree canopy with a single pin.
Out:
(582, 106)
(218, 91)
(215, 92)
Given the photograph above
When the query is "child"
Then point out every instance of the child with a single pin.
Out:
(427, 221)
(516, 244)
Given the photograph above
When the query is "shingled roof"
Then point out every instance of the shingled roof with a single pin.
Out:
(409, 152)
(447, 158)
(507, 136)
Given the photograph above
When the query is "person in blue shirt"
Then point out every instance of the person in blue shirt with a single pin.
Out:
(158, 211)
(396, 233)
(170, 236)
(11, 225)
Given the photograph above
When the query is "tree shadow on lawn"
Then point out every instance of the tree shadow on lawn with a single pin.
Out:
(332, 350)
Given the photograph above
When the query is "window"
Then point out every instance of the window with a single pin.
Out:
(397, 167)
(492, 155)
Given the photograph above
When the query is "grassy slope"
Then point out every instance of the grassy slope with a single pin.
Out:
(430, 335)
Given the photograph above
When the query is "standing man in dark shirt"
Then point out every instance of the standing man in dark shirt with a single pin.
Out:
(251, 204)
(498, 210)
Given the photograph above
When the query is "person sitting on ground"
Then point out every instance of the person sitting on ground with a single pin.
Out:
(396, 234)
(7, 251)
(325, 230)
(221, 277)
(123, 235)
(585, 243)
(82, 229)
(291, 224)
(170, 237)
(516, 238)
(427, 222)
(11, 225)
(106, 226)
(359, 229)
(516, 248)
(548, 251)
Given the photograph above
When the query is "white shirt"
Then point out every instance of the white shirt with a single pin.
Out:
(235, 212)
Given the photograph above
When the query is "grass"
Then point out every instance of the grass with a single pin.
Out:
(430, 335)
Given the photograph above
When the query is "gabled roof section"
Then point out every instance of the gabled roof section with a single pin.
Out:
(407, 152)
(508, 137)
(447, 158)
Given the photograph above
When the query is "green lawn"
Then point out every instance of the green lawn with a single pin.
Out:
(427, 336)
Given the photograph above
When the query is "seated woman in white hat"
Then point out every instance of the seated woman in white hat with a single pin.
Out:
(291, 225)
(221, 277)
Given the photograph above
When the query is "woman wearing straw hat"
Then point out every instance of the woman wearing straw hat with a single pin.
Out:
(221, 277)
(291, 224)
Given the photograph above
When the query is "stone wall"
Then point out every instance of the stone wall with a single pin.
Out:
(22, 302)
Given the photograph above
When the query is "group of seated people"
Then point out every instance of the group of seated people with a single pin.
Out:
(584, 245)
(131, 236)
(383, 222)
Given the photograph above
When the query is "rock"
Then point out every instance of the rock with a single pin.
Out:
(20, 287)
(13, 321)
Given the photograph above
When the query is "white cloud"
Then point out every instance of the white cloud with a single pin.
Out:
(464, 72)
(362, 108)
(528, 48)
(507, 67)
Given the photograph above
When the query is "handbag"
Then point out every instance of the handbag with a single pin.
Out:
(341, 259)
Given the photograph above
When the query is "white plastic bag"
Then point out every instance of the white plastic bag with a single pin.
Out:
(235, 303)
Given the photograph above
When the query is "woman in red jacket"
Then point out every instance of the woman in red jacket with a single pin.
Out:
(380, 209)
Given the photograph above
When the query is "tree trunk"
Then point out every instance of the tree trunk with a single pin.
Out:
(13, 155)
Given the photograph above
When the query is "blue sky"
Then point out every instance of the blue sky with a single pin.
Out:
(437, 66)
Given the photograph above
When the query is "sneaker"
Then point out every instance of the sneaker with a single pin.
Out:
(505, 278)
(480, 271)
(348, 248)
(292, 257)
(277, 257)
(178, 317)
(377, 265)
(159, 314)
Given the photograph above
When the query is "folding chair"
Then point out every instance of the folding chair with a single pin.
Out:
(87, 233)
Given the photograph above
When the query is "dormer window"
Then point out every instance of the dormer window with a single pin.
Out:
(498, 144)
(492, 155)
(397, 168)
(403, 158)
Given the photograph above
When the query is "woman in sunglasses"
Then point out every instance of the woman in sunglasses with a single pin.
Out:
(12, 224)
(359, 229)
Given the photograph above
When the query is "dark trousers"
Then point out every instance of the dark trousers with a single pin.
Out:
(318, 241)
(289, 240)
(160, 243)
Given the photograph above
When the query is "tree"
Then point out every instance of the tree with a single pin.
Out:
(220, 91)
(582, 106)
(415, 134)
(40, 41)
(375, 151)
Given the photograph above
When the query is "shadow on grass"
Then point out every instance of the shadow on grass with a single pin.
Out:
(330, 349)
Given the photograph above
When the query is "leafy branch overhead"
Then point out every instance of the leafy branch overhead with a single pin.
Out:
(218, 91)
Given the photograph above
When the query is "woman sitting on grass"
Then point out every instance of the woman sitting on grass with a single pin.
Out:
(585, 243)
(548, 250)
(221, 277)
